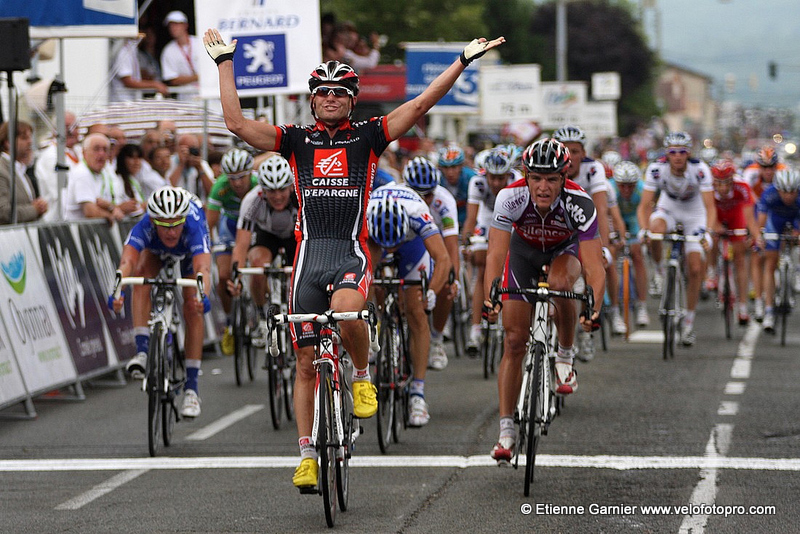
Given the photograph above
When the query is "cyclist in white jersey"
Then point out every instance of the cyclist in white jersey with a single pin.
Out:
(483, 189)
(421, 176)
(590, 174)
(687, 198)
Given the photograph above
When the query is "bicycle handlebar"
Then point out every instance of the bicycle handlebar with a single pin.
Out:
(142, 281)
(675, 237)
(545, 293)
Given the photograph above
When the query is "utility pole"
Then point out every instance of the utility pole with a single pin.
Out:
(561, 40)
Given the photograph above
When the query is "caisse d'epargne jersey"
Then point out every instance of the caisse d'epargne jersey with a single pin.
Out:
(571, 218)
(333, 175)
(696, 179)
(256, 213)
(420, 219)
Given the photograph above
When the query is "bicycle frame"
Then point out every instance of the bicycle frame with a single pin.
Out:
(785, 269)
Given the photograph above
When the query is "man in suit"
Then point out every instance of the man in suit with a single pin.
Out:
(30, 206)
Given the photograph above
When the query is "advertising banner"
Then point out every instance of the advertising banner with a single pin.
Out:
(101, 257)
(12, 388)
(75, 18)
(510, 93)
(30, 316)
(71, 289)
(425, 61)
(562, 103)
(278, 45)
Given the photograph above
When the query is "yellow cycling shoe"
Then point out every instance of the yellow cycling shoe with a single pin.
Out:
(227, 342)
(305, 476)
(365, 399)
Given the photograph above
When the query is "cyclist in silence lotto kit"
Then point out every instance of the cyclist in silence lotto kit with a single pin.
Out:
(483, 191)
(269, 211)
(543, 219)
(627, 185)
(734, 201)
(224, 199)
(174, 225)
(334, 162)
(399, 222)
(778, 207)
(687, 198)
(421, 176)
(456, 177)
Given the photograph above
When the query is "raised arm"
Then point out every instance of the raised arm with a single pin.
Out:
(404, 117)
(260, 135)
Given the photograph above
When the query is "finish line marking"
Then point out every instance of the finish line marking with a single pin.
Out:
(621, 463)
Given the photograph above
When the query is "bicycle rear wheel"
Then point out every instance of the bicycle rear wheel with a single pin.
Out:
(727, 298)
(154, 385)
(535, 415)
(402, 379)
(784, 307)
(385, 373)
(326, 443)
(289, 373)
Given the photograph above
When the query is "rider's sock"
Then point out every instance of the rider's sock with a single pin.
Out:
(436, 336)
(192, 372)
(142, 339)
(689, 317)
(307, 449)
(475, 331)
(417, 388)
(565, 354)
(507, 429)
(360, 374)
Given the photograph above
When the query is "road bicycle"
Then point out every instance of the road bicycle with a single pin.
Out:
(491, 349)
(784, 288)
(461, 311)
(538, 404)
(165, 372)
(672, 308)
(280, 368)
(726, 293)
(244, 326)
(392, 362)
(335, 427)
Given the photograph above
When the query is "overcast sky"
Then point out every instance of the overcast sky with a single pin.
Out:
(740, 37)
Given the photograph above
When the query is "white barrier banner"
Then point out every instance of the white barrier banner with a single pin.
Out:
(30, 317)
(11, 386)
(510, 93)
(279, 44)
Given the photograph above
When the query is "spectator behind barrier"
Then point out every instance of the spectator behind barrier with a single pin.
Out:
(30, 206)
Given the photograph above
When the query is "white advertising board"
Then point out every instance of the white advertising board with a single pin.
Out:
(562, 103)
(11, 386)
(510, 93)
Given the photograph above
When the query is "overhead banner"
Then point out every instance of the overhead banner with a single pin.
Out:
(510, 93)
(278, 45)
(71, 288)
(426, 61)
(30, 317)
(75, 18)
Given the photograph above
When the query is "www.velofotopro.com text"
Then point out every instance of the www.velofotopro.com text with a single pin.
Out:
(642, 509)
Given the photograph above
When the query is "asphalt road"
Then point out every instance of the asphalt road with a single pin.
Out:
(712, 435)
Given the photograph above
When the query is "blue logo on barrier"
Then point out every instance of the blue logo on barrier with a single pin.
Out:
(260, 61)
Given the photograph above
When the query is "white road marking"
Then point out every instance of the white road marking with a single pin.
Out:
(620, 463)
(734, 388)
(224, 422)
(646, 336)
(740, 369)
(728, 408)
(101, 489)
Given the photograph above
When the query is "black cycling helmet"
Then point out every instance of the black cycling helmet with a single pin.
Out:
(546, 156)
(334, 72)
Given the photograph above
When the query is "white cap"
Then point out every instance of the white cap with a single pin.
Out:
(175, 16)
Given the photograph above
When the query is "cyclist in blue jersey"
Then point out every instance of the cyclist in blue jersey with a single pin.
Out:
(778, 207)
(456, 177)
(334, 162)
(174, 226)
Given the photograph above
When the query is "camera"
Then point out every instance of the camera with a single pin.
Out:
(194, 151)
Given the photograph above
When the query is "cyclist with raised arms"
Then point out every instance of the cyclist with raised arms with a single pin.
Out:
(222, 210)
(591, 176)
(483, 190)
(456, 177)
(334, 162)
(734, 201)
(174, 226)
(542, 220)
(687, 198)
(421, 176)
(399, 222)
(627, 185)
(778, 207)
(269, 211)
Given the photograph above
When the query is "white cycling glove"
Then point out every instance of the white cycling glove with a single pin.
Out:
(641, 234)
(430, 296)
(607, 256)
(219, 51)
(473, 51)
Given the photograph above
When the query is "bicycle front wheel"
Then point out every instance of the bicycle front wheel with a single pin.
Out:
(535, 415)
(727, 298)
(276, 390)
(385, 373)
(670, 313)
(155, 381)
(240, 338)
(346, 448)
(785, 292)
(174, 365)
(326, 443)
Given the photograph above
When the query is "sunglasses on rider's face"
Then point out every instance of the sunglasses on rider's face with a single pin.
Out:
(325, 90)
(168, 225)
(681, 151)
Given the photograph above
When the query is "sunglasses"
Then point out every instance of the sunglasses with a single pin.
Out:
(681, 151)
(169, 225)
(335, 91)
